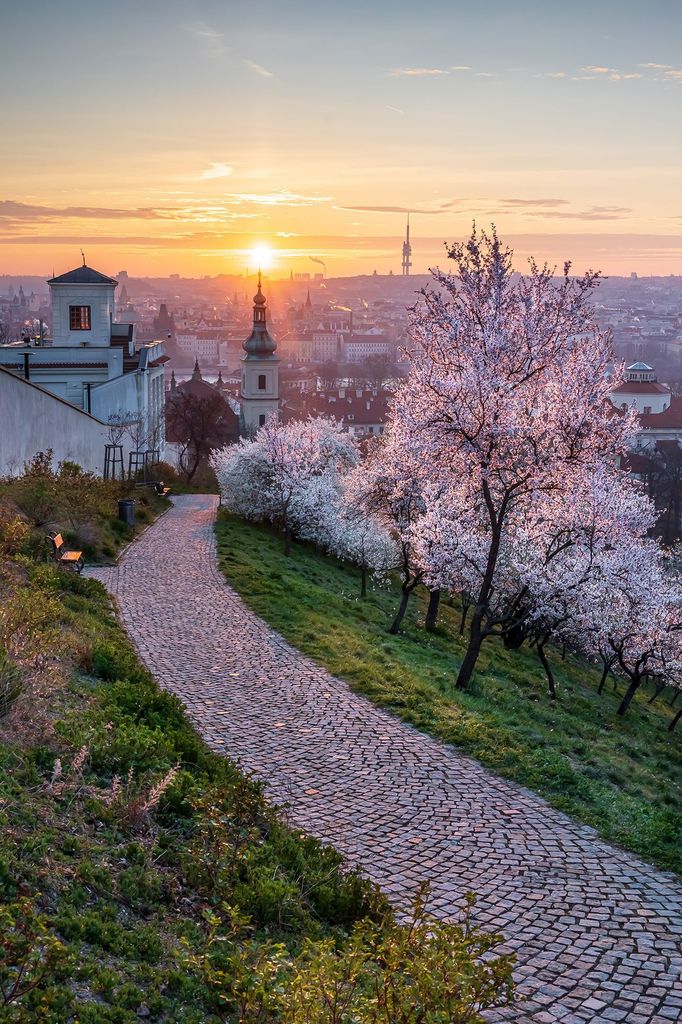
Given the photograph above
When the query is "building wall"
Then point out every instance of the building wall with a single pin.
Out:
(100, 298)
(256, 402)
(34, 420)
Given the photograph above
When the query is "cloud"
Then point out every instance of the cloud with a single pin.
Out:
(396, 110)
(391, 209)
(551, 74)
(656, 67)
(460, 67)
(594, 213)
(280, 198)
(418, 72)
(533, 202)
(212, 40)
(216, 170)
(598, 70)
(11, 211)
(258, 69)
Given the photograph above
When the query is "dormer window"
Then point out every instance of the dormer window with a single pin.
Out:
(79, 318)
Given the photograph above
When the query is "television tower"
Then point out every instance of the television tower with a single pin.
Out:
(407, 251)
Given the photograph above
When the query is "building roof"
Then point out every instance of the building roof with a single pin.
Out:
(640, 367)
(83, 275)
(641, 387)
(669, 419)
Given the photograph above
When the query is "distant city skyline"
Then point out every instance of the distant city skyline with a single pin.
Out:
(178, 137)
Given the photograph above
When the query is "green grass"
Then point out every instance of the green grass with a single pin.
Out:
(623, 776)
(110, 910)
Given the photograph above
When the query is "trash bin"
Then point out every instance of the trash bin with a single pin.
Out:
(126, 511)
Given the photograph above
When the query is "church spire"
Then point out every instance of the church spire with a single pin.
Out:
(196, 373)
(259, 343)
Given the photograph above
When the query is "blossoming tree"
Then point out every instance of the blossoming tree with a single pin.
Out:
(506, 398)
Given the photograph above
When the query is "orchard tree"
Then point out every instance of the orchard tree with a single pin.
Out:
(359, 538)
(280, 475)
(389, 486)
(506, 398)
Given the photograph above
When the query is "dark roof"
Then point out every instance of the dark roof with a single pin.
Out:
(82, 275)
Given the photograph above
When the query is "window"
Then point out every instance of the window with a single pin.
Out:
(261, 420)
(261, 382)
(79, 318)
(647, 410)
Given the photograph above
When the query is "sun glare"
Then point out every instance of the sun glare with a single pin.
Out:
(262, 256)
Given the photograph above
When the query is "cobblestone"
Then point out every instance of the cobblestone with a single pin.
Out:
(585, 919)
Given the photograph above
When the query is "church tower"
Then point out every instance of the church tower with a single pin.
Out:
(259, 396)
(407, 251)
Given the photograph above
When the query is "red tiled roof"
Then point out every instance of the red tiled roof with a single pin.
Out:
(671, 418)
(641, 387)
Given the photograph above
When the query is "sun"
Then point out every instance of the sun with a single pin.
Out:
(262, 255)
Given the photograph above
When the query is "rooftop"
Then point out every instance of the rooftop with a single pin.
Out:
(83, 275)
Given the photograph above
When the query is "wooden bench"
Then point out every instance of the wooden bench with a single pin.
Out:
(161, 489)
(69, 559)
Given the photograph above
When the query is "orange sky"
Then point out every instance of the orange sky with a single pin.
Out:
(182, 136)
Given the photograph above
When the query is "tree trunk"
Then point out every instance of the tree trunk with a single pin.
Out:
(563, 652)
(432, 610)
(657, 692)
(287, 541)
(674, 721)
(363, 581)
(401, 611)
(463, 620)
(551, 685)
(604, 676)
(674, 699)
(629, 694)
(472, 652)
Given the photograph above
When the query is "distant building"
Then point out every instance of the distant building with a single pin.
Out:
(259, 395)
(660, 412)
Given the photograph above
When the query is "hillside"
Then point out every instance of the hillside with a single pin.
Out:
(622, 776)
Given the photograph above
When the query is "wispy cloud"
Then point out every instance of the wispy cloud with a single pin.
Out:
(550, 74)
(593, 213)
(392, 209)
(15, 212)
(656, 67)
(598, 70)
(258, 69)
(534, 202)
(396, 110)
(216, 170)
(280, 198)
(212, 40)
(460, 67)
(418, 72)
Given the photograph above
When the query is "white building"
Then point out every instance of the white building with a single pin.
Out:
(259, 395)
(92, 363)
(659, 411)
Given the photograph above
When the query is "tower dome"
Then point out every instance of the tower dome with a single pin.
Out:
(259, 343)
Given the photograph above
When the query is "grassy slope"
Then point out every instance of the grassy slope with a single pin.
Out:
(126, 894)
(622, 776)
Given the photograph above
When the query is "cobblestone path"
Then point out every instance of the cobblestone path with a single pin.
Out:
(597, 932)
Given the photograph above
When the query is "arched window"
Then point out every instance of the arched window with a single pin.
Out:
(261, 382)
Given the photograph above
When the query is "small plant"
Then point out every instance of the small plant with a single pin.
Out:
(11, 683)
(29, 953)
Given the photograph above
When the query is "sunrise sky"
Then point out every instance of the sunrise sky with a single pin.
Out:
(174, 136)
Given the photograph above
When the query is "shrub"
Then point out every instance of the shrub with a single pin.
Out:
(11, 683)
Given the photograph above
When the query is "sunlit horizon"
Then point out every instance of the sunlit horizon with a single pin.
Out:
(314, 133)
